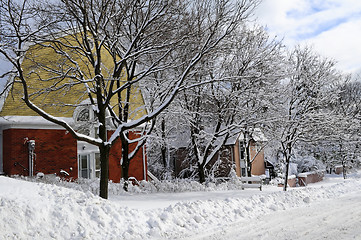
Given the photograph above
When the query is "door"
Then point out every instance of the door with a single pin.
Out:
(89, 165)
(242, 161)
(84, 166)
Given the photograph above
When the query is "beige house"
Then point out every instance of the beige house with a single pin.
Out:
(257, 141)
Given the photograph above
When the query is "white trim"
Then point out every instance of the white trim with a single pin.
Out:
(84, 148)
(88, 168)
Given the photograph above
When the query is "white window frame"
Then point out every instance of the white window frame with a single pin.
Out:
(91, 162)
(81, 168)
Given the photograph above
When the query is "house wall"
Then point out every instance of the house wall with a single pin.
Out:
(310, 177)
(137, 167)
(55, 150)
(292, 181)
(258, 165)
(237, 158)
(221, 164)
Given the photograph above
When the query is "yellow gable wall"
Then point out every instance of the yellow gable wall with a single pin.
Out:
(42, 67)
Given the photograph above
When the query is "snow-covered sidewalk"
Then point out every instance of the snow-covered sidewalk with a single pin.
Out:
(44, 211)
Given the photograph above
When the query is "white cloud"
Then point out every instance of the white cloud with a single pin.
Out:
(331, 26)
(341, 43)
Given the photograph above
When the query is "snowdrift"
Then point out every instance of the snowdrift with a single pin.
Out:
(44, 211)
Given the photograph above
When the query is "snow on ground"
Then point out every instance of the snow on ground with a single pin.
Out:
(331, 219)
(326, 210)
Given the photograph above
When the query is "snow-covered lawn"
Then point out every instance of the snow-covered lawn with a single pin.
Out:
(326, 210)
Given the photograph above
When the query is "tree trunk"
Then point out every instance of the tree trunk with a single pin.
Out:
(125, 175)
(126, 161)
(343, 161)
(163, 147)
(286, 174)
(202, 177)
(248, 160)
(344, 173)
(103, 149)
(104, 173)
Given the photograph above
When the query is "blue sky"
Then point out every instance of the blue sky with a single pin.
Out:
(4, 66)
(331, 27)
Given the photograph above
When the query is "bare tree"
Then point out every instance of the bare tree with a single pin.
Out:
(240, 75)
(306, 92)
(341, 146)
(109, 48)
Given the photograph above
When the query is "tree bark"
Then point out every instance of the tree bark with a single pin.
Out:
(125, 175)
(201, 174)
(125, 162)
(104, 173)
(287, 154)
(286, 174)
(248, 159)
(163, 147)
(344, 172)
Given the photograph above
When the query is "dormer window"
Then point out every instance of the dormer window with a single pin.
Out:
(85, 120)
(83, 115)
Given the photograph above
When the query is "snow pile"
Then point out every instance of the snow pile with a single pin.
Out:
(305, 163)
(44, 211)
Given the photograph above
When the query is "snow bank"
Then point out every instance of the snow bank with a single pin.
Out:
(45, 211)
(144, 187)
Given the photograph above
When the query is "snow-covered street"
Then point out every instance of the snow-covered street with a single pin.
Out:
(326, 210)
(338, 218)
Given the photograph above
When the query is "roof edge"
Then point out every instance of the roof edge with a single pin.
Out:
(31, 122)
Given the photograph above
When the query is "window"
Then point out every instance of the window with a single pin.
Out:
(84, 166)
(242, 152)
(89, 165)
(97, 165)
(85, 120)
(83, 115)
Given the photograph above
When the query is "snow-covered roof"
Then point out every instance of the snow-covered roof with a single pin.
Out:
(256, 134)
(233, 138)
(31, 122)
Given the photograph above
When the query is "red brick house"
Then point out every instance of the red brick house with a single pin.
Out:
(30, 144)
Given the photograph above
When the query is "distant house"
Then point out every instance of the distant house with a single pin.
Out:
(257, 140)
(231, 155)
(30, 145)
